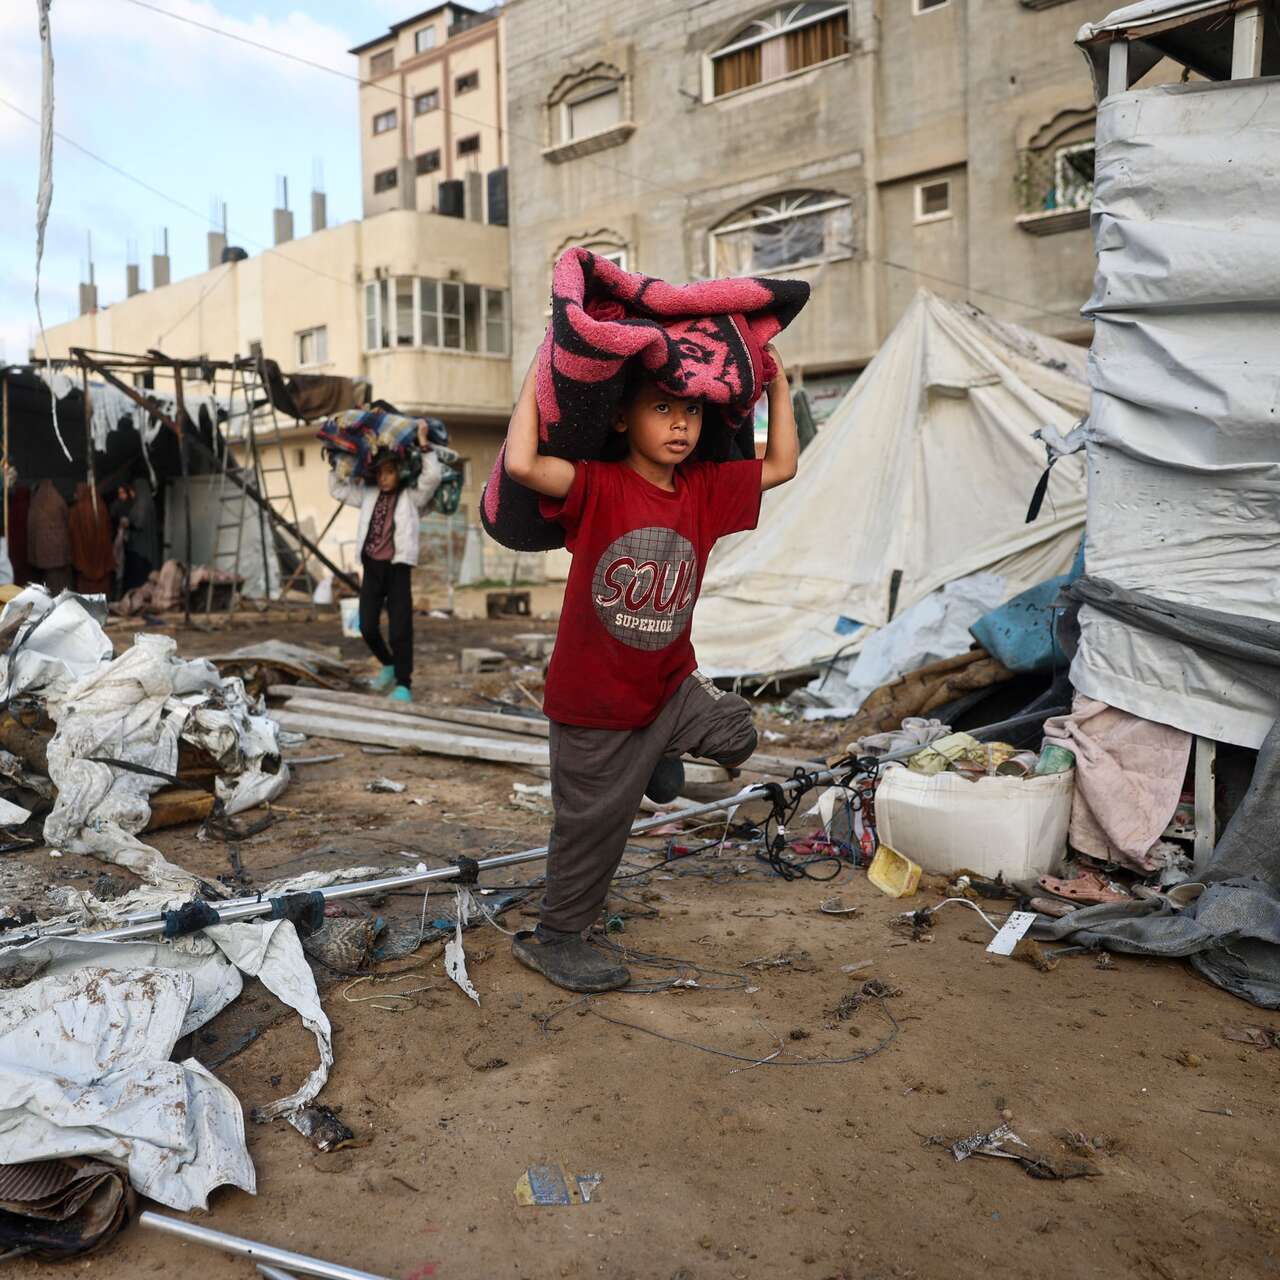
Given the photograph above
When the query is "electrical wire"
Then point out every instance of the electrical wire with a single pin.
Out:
(928, 911)
(773, 1060)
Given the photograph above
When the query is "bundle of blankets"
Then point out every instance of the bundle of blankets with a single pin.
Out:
(705, 340)
(355, 438)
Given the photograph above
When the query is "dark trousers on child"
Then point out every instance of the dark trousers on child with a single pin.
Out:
(383, 582)
(598, 777)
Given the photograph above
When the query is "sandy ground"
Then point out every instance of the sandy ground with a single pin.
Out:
(712, 1166)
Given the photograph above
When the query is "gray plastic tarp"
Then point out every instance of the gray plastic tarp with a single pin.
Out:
(1183, 440)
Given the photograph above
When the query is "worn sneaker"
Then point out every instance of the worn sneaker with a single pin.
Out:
(667, 780)
(401, 694)
(383, 680)
(569, 961)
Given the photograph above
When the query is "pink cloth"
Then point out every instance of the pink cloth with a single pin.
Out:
(1129, 779)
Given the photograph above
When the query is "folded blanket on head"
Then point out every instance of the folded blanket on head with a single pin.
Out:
(354, 438)
(705, 339)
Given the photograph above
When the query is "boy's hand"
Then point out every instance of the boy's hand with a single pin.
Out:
(423, 439)
(780, 378)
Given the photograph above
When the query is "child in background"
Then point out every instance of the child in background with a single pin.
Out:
(388, 538)
(623, 692)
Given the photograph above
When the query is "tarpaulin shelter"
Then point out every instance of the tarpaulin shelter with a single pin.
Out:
(922, 476)
(1182, 442)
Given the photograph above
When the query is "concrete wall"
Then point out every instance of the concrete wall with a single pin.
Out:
(952, 93)
(688, 163)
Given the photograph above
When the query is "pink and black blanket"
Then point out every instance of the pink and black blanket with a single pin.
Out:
(705, 339)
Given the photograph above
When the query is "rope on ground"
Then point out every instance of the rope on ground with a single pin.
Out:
(372, 1000)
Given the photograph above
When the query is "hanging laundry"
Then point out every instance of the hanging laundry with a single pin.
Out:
(92, 553)
(49, 537)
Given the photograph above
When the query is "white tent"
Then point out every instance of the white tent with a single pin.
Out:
(925, 469)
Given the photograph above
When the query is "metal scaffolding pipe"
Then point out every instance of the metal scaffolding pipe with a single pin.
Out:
(149, 924)
(295, 1262)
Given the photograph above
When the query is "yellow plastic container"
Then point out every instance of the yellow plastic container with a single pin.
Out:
(893, 874)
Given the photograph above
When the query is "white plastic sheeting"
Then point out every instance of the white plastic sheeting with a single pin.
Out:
(85, 1047)
(1183, 444)
(927, 468)
(60, 643)
(936, 627)
(85, 1071)
(135, 709)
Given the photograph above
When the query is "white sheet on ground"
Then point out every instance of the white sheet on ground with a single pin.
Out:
(180, 1132)
(61, 642)
(135, 709)
(85, 1071)
(1183, 452)
(926, 468)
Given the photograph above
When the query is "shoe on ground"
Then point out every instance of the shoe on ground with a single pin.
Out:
(569, 961)
(667, 780)
(383, 680)
(401, 694)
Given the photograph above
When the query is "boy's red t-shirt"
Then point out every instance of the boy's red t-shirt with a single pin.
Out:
(639, 552)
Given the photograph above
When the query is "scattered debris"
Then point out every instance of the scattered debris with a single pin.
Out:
(1259, 1037)
(54, 1209)
(549, 1184)
(838, 906)
(476, 661)
(1034, 954)
(325, 1131)
(385, 785)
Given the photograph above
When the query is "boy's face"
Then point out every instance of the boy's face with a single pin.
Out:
(660, 427)
(388, 476)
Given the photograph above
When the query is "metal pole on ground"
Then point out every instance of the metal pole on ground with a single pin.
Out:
(145, 925)
(296, 1262)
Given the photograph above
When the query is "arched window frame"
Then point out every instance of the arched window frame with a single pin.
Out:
(771, 28)
(782, 207)
(581, 85)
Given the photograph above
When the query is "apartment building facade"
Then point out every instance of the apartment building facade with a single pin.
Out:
(415, 302)
(872, 146)
(433, 115)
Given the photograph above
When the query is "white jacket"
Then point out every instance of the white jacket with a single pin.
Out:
(410, 504)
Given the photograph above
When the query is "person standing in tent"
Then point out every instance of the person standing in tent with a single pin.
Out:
(135, 508)
(387, 532)
(623, 692)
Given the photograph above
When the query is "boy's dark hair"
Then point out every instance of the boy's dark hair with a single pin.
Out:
(635, 377)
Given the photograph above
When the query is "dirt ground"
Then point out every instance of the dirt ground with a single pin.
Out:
(714, 1167)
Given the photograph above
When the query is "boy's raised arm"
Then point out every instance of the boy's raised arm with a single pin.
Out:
(551, 477)
(782, 451)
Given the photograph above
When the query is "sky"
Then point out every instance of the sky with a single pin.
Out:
(192, 115)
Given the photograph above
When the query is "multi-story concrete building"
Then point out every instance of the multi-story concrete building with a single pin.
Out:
(872, 146)
(414, 297)
(433, 115)
(415, 302)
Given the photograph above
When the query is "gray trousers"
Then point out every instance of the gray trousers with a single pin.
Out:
(598, 777)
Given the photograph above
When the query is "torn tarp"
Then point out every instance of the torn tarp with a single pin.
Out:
(123, 1006)
(133, 711)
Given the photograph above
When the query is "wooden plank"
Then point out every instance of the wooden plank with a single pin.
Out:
(173, 806)
(390, 730)
(525, 726)
(388, 733)
(398, 713)
(1246, 43)
(435, 716)
(1118, 67)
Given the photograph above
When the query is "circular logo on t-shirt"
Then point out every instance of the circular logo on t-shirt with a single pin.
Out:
(644, 587)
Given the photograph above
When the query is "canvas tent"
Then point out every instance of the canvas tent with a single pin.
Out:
(922, 476)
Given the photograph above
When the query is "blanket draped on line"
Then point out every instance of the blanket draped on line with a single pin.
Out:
(705, 339)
